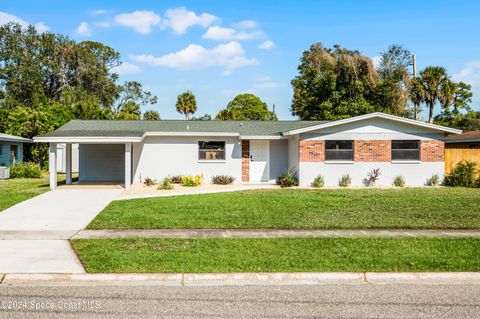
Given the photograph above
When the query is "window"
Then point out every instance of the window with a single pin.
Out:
(339, 150)
(405, 150)
(211, 150)
(1, 150)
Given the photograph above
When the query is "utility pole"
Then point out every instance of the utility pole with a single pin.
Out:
(273, 112)
(415, 104)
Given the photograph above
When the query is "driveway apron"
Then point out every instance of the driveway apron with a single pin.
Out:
(34, 234)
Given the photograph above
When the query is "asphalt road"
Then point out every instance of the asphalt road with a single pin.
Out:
(332, 301)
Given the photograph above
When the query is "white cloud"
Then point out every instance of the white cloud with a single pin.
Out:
(266, 82)
(98, 12)
(127, 68)
(140, 21)
(83, 30)
(266, 45)
(229, 56)
(41, 27)
(470, 74)
(221, 33)
(376, 61)
(180, 19)
(7, 17)
(246, 24)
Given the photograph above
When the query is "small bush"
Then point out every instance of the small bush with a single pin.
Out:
(192, 181)
(433, 181)
(318, 182)
(25, 170)
(287, 179)
(165, 184)
(149, 181)
(399, 181)
(465, 174)
(345, 181)
(372, 177)
(222, 179)
(176, 179)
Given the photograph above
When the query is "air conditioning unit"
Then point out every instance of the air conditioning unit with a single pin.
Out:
(4, 172)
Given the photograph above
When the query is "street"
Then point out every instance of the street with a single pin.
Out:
(327, 301)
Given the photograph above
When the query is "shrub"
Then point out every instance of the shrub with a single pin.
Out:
(176, 179)
(192, 181)
(399, 181)
(433, 181)
(345, 181)
(149, 181)
(287, 179)
(25, 170)
(165, 184)
(464, 174)
(318, 182)
(372, 177)
(222, 179)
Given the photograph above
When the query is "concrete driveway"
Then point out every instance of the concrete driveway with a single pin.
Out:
(34, 234)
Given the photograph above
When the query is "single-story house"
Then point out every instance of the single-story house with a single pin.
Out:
(253, 151)
(460, 147)
(11, 149)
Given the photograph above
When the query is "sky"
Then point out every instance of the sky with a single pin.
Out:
(218, 49)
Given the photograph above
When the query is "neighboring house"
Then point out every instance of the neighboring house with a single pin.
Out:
(460, 147)
(253, 151)
(11, 149)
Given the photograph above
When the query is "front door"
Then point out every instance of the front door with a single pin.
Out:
(259, 167)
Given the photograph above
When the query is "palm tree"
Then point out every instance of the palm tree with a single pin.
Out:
(416, 96)
(186, 104)
(435, 87)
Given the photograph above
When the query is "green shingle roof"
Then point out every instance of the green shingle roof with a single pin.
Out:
(109, 128)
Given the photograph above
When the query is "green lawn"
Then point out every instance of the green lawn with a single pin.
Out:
(279, 255)
(16, 190)
(421, 208)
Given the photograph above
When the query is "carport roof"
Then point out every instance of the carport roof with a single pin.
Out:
(119, 128)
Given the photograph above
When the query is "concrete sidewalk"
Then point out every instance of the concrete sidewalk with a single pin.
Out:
(239, 279)
(271, 233)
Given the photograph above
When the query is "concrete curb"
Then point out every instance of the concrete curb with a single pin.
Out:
(239, 279)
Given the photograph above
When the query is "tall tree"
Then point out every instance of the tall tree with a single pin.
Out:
(131, 92)
(245, 107)
(333, 83)
(151, 115)
(205, 117)
(434, 86)
(186, 104)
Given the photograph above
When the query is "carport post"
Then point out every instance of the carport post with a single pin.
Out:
(52, 165)
(128, 164)
(68, 163)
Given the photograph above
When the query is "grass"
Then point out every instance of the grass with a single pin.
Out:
(16, 190)
(278, 255)
(416, 208)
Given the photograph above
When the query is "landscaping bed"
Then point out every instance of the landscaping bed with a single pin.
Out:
(415, 208)
(134, 255)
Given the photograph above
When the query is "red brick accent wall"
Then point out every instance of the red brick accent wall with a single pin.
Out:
(432, 151)
(372, 151)
(312, 151)
(245, 160)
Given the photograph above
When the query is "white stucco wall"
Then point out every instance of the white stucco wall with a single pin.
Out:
(414, 173)
(101, 162)
(278, 158)
(293, 155)
(159, 157)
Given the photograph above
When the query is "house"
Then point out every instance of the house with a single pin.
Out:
(253, 151)
(62, 159)
(11, 149)
(460, 147)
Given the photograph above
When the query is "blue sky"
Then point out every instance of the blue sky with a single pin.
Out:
(218, 49)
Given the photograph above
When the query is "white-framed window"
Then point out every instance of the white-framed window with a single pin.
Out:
(339, 150)
(405, 150)
(211, 150)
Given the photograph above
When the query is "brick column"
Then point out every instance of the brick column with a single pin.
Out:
(432, 151)
(312, 151)
(245, 160)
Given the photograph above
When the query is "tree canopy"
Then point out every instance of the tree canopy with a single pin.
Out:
(186, 104)
(47, 79)
(246, 107)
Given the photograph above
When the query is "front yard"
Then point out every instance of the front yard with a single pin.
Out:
(279, 255)
(420, 208)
